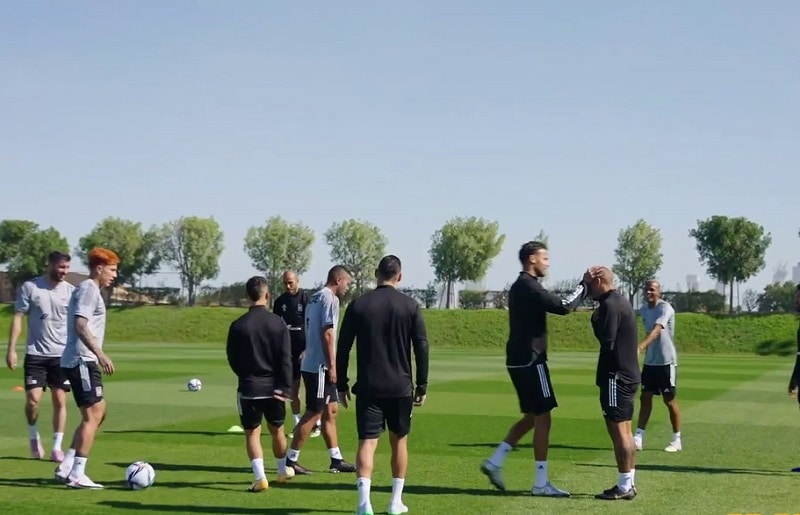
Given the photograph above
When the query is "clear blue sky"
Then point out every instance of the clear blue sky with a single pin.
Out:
(576, 117)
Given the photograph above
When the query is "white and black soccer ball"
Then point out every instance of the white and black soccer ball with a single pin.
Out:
(139, 475)
(195, 385)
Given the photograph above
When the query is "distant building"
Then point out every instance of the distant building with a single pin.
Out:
(692, 283)
(796, 273)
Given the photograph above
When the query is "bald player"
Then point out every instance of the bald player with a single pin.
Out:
(660, 364)
(291, 306)
(616, 329)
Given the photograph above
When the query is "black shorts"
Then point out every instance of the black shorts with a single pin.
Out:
(659, 379)
(320, 391)
(252, 411)
(43, 372)
(617, 400)
(87, 383)
(534, 388)
(373, 416)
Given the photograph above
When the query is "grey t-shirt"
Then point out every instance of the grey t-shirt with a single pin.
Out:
(322, 310)
(86, 302)
(662, 350)
(46, 307)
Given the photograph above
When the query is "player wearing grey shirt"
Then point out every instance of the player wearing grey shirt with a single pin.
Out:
(660, 364)
(44, 301)
(84, 361)
(318, 369)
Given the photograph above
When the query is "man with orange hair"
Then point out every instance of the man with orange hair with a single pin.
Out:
(83, 360)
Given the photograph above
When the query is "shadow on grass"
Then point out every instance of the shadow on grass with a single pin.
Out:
(174, 432)
(183, 467)
(40, 482)
(776, 348)
(490, 445)
(694, 468)
(193, 508)
(489, 491)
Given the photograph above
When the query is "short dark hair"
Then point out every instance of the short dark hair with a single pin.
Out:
(337, 272)
(389, 267)
(57, 257)
(256, 286)
(529, 249)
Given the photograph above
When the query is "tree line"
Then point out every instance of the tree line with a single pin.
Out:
(732, 249)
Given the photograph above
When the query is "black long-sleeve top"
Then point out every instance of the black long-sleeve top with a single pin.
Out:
(616, 328)
(291, 308)
(260, 353)
(385, 325)
(796, 371)
(528, 305)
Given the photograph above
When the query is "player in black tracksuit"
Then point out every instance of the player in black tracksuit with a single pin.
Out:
(526, 360)
(386, 324)
(259, 353)
(618, 377)
(291, 307)
(794, 379)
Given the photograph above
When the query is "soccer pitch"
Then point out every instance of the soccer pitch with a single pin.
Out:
(739, 436)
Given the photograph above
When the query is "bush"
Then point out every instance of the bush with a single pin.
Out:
(469, 329)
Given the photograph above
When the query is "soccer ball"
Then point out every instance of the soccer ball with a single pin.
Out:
(139, 475)
(194, 385)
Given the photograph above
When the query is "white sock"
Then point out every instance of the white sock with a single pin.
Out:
(78, 467)
(335, 454)
(363, 491)
(280, 463)
(397, 490)
(293, 455)
(296, 419)
(319, 424)
(33, 432)
(625, 481)
(676, 436)
(499, 456)
(58, 438)
(541, 474)
(633, 476)
(69, 460)
(640, 432)
(258, 468)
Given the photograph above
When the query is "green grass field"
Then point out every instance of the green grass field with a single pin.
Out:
(740, 442)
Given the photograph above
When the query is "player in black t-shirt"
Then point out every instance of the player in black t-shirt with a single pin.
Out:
(526, 360)
(259, 353)
(291, 306)
(618, 377)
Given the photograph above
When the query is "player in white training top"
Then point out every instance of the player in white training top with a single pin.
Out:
(84, 361)
(44, 300)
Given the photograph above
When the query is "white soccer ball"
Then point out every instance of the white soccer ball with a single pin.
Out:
(195, 385)
(139, 475)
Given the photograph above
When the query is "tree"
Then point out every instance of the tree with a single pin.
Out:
(638, 255)
(732, 249)
(24, 248)
(192, 246)
(359, 246)
(750, 300)
(136, 248)
(542, 236)
(32, 258)
(278, 246)
(777, 298)
(463, 250)
(12, 232)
